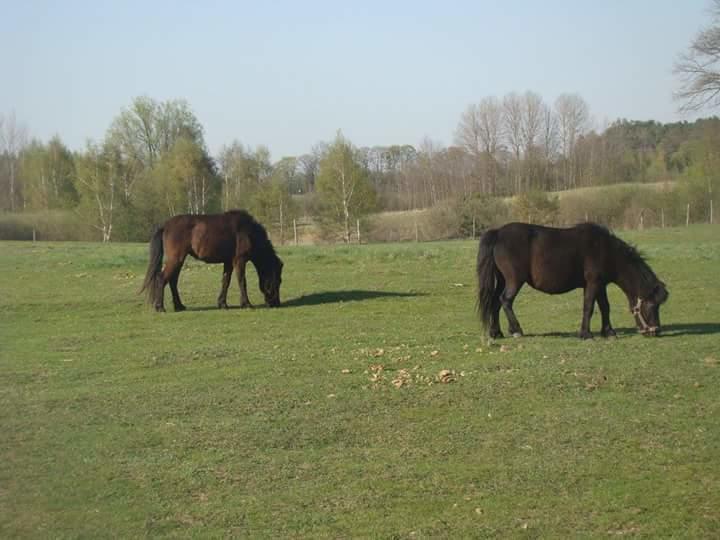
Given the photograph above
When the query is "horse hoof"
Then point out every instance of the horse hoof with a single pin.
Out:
(517, 334)
(586, 335)
(609, 334)
(180, 308)
(223, 306)
(160, 309)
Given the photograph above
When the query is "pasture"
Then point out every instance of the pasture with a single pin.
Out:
(332, 416)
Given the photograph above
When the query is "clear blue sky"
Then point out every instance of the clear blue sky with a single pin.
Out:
(289, 74)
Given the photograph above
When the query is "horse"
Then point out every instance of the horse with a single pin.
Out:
(556, 261)
(232, 238)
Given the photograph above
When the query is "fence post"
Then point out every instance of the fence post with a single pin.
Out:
(295, 230)
(417, 234)
(357, 223)
(473, 231)
(662, 217)
(33, 234)
(711, 213)
(687, 215)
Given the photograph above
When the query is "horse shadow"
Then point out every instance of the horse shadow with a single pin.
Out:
(352, 295)
(324, 297)
(667, 330)
(690, 329)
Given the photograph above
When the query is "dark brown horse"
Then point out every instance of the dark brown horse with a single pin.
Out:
(556, 261)
(232, 238)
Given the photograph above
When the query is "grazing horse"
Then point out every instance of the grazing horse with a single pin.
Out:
(232, 238)
(556, 261)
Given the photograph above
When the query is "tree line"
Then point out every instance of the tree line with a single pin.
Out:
(153, 162)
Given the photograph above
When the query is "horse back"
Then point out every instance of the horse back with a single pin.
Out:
(552, 260)
(211, 238)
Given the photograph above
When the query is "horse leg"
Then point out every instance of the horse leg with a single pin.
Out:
(227, 274)
(240, 263)
(507, 298)
(604, 305)
(173, 273)
(589, 296)
(495, 331)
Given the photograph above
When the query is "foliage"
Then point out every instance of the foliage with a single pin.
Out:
(153, 162)
(47, 172)
(273, 206)
(343, 189)
(536, 207)
(478, 213)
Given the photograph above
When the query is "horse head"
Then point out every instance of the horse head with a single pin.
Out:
(647, 310)
(270, 280)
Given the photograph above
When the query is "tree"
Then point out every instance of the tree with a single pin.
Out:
(573, 118)
(13, 138)
(185, 180)
(97, 183)
(272, 203)
(242, 171)
(47, 172)
(143, 133)
(479, 133)
(699, 67)
(342, 185)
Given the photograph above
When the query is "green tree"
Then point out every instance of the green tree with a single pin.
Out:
(242, 171)
(273, 206)
(185, 181)
(343, 189)
(97, 182)
(47, 172)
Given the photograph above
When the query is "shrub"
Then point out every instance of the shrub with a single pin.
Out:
(536, 207)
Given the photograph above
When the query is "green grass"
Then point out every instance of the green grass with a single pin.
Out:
(119, 422)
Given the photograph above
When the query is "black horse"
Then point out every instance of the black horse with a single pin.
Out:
(232, 238)
(556, 261)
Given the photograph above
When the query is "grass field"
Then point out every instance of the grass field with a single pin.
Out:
(328, 417)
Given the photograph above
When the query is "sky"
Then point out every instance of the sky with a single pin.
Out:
(288, 75)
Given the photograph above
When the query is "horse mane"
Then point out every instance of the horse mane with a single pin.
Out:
(263, 250)
(632, 255)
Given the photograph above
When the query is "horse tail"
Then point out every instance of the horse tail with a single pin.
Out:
(151, 285)
(487, 276)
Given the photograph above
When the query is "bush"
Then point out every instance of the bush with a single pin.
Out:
(51, 225)
(536, 207)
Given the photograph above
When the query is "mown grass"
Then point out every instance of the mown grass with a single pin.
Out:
(119, 422)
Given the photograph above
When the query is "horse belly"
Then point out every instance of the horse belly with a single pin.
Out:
(211, 248)
(554, 275)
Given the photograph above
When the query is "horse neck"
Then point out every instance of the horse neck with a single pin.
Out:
(263, 258)
(632, 278)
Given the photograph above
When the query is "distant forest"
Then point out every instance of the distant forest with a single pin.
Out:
(153, 162)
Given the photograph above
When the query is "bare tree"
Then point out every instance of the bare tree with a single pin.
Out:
(479, 133)
(467, 134)
(13, 138)
(532, 118)
(513, 128)
(548, 143)
(699, 67)
(513, 122)
(573, 117)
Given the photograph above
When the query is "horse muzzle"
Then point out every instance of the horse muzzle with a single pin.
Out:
(650, 331)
